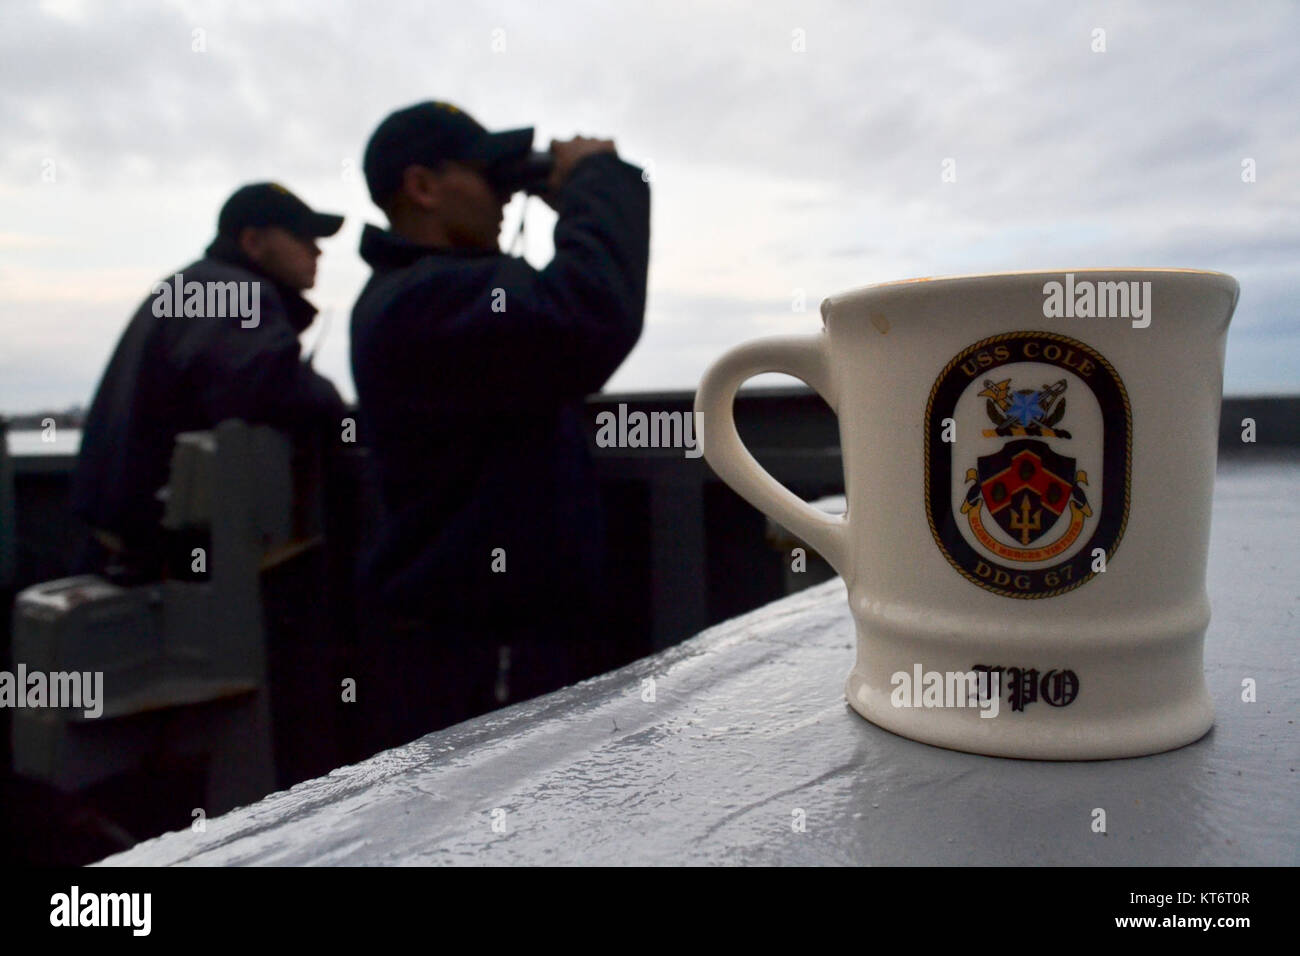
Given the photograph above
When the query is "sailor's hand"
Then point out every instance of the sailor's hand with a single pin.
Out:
(568, 154)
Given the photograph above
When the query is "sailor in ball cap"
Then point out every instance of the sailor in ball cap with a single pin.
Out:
(471, 367)
(217, 339)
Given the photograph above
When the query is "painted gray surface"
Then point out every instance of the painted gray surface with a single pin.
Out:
(749, 724)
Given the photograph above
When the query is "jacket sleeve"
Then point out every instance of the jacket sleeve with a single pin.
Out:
(558, 333)
(257, 374)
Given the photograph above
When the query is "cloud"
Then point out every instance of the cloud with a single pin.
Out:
(774, 170)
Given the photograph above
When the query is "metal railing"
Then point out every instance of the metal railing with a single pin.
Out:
(685, 551)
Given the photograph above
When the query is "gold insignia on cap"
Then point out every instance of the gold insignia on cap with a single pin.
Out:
(280, 189)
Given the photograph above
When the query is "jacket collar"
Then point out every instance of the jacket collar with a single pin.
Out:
(384, 249)
(298, 310)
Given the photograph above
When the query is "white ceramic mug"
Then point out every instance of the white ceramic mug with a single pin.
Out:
(1028, 463)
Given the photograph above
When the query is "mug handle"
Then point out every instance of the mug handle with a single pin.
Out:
(805, 357)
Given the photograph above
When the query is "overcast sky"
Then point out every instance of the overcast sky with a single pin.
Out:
(774, 168)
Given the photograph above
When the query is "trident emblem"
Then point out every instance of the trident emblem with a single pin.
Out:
(1022, 523)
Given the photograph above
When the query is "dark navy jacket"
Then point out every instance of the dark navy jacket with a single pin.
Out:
(471, 369)
(171, 374)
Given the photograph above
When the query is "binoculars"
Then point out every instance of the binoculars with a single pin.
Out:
(528, 174)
